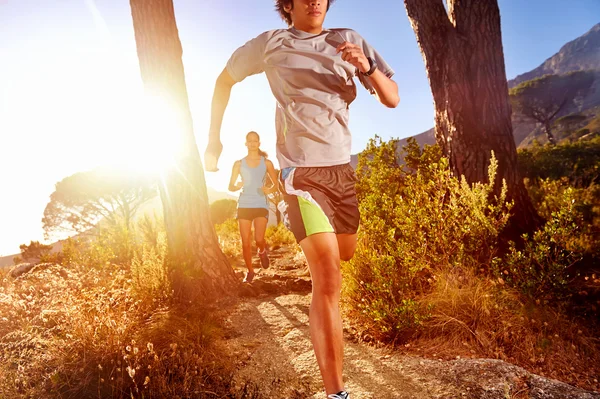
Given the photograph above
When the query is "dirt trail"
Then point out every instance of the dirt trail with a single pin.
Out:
(267, 331)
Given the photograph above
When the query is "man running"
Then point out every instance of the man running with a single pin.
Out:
(310, 70)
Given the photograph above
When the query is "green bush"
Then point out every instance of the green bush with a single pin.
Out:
(279, 236)
(549, 265)
(416, 220)
(579, 162)
(544, 269)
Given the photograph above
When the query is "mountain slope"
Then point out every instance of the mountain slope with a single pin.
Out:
(579, 54)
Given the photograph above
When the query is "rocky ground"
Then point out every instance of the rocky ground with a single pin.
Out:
(267, 333)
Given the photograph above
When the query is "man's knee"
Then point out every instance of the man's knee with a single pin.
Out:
(347, 254)
(347, 246)
(327, 278)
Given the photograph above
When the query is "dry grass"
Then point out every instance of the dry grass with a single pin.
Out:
(479, 317)
(75, 332)
(229, 238)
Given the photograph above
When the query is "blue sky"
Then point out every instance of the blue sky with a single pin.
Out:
(69, 83)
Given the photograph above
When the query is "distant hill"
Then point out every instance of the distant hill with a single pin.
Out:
(149, 208)
(582, 53)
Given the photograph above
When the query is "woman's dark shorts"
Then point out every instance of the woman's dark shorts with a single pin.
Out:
(252, 213)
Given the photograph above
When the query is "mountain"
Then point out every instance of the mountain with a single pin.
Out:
(582, 53)
(577, 55)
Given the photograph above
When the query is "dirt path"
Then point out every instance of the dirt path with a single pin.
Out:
(268, 334)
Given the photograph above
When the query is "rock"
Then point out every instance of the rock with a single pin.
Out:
(248, 291)
(490, 379)
(299, 285)
(21, 269)
(265, 287)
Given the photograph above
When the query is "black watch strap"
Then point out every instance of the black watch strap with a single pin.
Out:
(373, 65)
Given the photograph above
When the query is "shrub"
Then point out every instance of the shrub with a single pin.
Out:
(544, 269)
(417, 220)
(279, 236)
(222, 209)
(579, 162)
(149, 270)
(229, 238)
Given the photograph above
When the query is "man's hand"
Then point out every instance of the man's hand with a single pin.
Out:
(211, 155)
(354, 55)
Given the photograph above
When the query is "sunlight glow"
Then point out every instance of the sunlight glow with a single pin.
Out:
(153, 134)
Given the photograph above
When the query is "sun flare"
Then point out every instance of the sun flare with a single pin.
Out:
(152, 135)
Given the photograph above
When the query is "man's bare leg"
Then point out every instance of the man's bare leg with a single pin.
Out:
(346, 245)
(323, 257)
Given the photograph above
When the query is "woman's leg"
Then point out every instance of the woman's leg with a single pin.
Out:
(246, 234)
(260, 226)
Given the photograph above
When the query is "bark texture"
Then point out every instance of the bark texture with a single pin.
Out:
(463, 54)
(198, 264)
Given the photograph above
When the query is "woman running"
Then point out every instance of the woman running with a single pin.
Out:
(253, 205)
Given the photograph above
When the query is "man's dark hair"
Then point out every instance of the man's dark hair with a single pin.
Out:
(280, 4)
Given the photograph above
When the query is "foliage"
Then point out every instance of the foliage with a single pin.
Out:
(428, 269)
(543, 99)
(222, 209)
(33, 252)
(279, 236)
(416, 220)
(149, 268)
(543, 270)
(96, 328)
(81, 201)
(228, 233)
(570, 123)
(579, 162)
(79, 332)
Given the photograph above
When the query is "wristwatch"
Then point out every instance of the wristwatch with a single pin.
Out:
(373, 66)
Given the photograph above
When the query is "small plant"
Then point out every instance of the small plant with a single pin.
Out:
(229, 238)
(149, 270)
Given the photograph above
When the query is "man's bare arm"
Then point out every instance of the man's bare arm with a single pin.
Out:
(219, 103)
(385, 88)
(235, 173)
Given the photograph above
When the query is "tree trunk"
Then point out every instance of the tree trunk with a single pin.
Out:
(462, 50)
(549, 135)
(198, 265)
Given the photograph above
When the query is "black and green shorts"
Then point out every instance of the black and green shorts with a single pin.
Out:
(320, 200)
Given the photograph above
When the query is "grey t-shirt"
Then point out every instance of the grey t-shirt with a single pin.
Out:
(313, 87)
